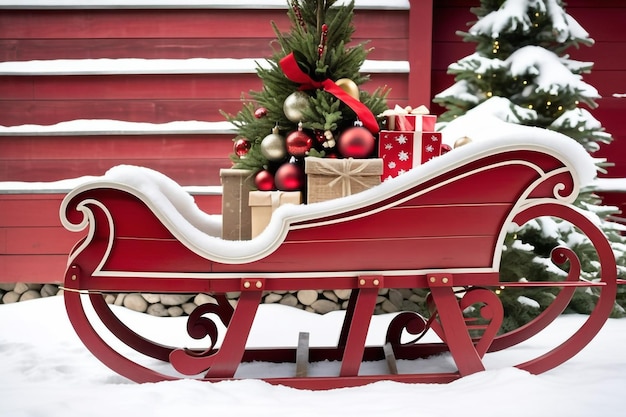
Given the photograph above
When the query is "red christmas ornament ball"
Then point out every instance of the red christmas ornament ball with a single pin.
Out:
(260, 112)
(241, 147)
(289, 177)
(264, 181)
(356, 142)
(445, 148)
(298, 143)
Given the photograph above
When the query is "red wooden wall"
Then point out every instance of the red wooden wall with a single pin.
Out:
(33, 244)
(160, 34)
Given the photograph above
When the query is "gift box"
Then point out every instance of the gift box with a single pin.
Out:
(329, 178)
(401, 151)
(236, 185)
(409, 119)
(264, 203)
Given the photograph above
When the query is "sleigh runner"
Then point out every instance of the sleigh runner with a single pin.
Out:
(440, 227)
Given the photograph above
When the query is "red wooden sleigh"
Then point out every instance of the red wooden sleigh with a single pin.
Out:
(440, 227)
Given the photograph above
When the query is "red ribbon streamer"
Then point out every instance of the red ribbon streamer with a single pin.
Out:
(292, 70)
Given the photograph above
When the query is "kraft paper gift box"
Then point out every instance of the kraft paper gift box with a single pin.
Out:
(401, 151)
(236, 185)
(329, 178)
(408, 119)
(264, 203)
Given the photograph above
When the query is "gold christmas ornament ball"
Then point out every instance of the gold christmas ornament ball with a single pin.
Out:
(349, 87)
(462, 141)
(295, 105)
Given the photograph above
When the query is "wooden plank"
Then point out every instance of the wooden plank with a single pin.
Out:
(29, 211)
(36, 240)
(178, 23)
(603, 55)
(114, 147)
(604, 24)
(33, 49)
(185, 172)
(40, 268)
(128, 86)
(390, 357)
(155, 110)
(187, 87)
(302, 355)
(420, 38)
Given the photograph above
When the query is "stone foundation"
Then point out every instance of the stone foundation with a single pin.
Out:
(174, 305)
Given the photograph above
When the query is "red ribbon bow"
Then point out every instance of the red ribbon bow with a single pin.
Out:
(292, 70)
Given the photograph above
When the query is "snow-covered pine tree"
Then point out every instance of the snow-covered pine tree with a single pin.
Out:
(319, 43)
(520, 60)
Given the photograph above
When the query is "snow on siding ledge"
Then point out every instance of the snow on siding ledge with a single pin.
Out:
(186, 4)
(164, 66)
(90, 127)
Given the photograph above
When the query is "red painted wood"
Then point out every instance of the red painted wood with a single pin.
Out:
(188, 159)
(30, 210)
(33, 243)
(146, 146)
(187, 87)
(140, 98)
(37, 240)
(348, 247)
(357, 333)
(420, 48)
(181, 23)
(48, 49)
(33, 268)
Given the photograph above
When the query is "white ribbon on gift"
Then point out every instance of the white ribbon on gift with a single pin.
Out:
(399, 112)
(275, 200)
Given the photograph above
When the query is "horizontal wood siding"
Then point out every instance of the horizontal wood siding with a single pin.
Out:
(34, 246)
(153, 98)
(188, 159)
(173, 34)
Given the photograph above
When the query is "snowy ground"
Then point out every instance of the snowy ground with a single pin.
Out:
(46, 371)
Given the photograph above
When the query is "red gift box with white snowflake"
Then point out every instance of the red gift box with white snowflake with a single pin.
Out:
(401, 151)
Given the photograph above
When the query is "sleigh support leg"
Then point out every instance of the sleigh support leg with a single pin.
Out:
(359, 320)
(458, 339)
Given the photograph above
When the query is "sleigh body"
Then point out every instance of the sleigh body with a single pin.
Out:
(440, 227)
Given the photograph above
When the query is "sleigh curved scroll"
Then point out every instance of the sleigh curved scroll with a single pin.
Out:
(440, 227)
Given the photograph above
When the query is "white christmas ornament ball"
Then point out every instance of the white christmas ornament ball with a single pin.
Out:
(294, 106)
(273, 146)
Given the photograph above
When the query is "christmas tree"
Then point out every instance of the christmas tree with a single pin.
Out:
(520, 61)
(311, 103)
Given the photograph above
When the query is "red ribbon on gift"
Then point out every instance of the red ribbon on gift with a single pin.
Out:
(292, 70)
